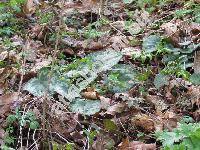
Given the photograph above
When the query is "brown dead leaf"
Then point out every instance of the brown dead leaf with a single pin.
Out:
(39, 65)
(5, 101)
(142, 18)
(8, 98)
(93, 95)
(158, 102)
(136, 145)
(170, 120)
(195, 32)
(194, 95)
(119, 42)
(120, 25)
(116, 108)
(172, 32)
(29, 7)
(143, 122)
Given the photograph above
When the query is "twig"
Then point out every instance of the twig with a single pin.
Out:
(36, 145)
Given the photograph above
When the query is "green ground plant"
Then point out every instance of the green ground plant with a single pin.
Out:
(18, 120)
(185, 136)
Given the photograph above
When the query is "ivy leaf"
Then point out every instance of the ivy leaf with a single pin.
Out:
(121, 78)
(86, 107)
(161, 80)
(150, 43)
(195, 78)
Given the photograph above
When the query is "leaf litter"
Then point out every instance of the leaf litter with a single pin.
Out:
(111, 74)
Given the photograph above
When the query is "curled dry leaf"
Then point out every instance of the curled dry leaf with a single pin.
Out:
(144, 122)
(90, 95)
(135, 145)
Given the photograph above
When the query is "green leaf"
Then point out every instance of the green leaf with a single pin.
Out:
(150, 43)
(161, 80)
(85, 71)
(35, 87)
(190, 48)
(128, 1)
(195, 78)
(109, 125)
(11, 119)
(86, 107)
(121, 78)
(34, 125)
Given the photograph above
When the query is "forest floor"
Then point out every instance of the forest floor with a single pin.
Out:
(95, 75)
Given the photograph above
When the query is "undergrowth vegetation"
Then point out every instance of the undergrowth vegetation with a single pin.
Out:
(100, 74)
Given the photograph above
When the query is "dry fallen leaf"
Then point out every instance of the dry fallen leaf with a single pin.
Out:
(116, 108)
(142, 18)
(136, 145)
(93, 95)
(39, 65)
(170, 120)
(8, 98)
(29, 6)
(172, 32)
(119, 42)
(144, 122)
(158, 102)
(105, 102)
